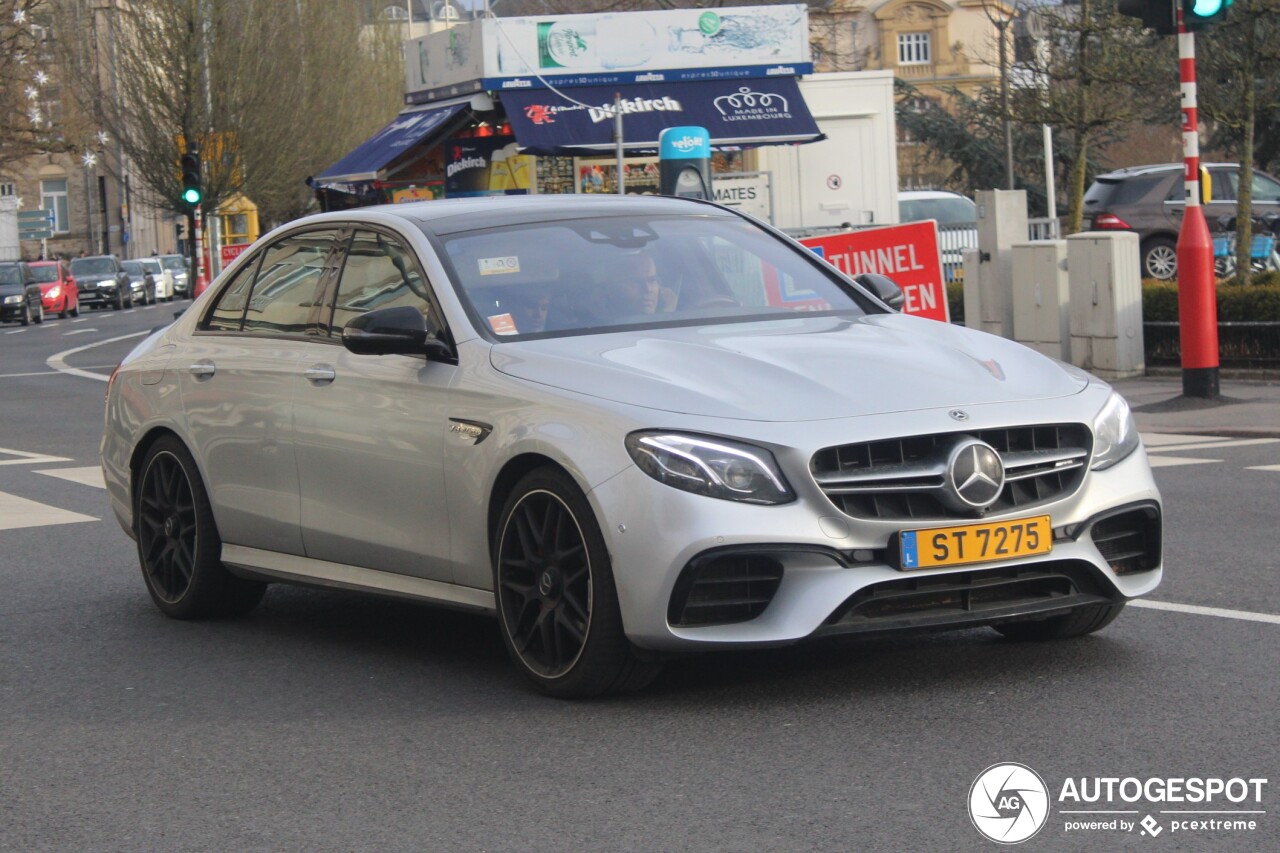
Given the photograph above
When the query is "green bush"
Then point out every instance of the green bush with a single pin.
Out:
(1256, 302)
(955, 301)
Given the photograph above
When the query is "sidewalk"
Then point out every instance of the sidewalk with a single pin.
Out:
(1247, 407)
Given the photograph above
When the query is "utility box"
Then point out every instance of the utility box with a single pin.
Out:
(1106, 303)
(1002, 221)
(972, 261)
(1041, 318)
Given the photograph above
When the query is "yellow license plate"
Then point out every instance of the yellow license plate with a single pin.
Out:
(974, 543)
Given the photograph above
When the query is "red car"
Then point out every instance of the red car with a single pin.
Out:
(57, 287)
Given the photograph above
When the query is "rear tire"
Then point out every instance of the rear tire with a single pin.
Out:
(178, 545)
(1077, 623)
(557, 603)
(1160, 258)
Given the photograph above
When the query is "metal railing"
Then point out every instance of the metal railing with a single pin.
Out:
(1240, 344)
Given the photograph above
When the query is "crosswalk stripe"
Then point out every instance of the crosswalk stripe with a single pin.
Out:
(17, 513)
(1238, 442)
(1263, 468)
(25, 458)
(88, 476)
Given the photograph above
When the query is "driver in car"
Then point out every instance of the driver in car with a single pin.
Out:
(634, 287)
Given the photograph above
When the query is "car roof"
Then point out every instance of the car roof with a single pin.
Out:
(448, 216)
(44, 263)
(1157, 168)
(919, 195)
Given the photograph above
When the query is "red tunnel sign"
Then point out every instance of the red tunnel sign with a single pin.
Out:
(908, 254)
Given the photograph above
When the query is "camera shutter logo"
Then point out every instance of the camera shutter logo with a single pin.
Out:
(1008, 803)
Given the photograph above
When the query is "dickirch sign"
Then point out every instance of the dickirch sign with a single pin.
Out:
(908, 254)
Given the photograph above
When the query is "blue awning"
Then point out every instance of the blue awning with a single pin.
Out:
(376, 152)
(755, 111)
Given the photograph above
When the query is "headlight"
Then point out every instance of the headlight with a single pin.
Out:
(53, 292)
(714, 467)
(12, 300)
(1115, 435)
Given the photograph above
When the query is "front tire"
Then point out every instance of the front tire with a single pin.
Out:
(1077, 623)
(26, 313)
(557, 603)
(178, 545)
(40, 313)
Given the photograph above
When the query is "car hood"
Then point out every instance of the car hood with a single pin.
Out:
(96, 278)
(795, 369)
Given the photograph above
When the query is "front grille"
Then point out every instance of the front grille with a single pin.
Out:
(720, 589)
(966, 597)
(904, 478)
(1129, 541)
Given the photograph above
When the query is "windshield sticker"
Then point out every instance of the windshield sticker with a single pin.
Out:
(499, 266)
(503, 324)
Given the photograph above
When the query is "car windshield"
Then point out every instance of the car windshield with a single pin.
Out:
(133, 268)
(92, 266)
(45, 273)
(151, 266)
(173, 262)
(10, 274)
(947, 211)
(600, 274)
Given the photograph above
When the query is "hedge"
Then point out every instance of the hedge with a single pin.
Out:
(1257, 302)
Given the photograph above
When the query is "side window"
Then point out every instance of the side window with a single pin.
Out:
(287, 286)
(1224, 186)
(379, 273)
(1265, 189)
(228, 314)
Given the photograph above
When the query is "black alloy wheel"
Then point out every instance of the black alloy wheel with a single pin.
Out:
(178, 545)
(554, 589)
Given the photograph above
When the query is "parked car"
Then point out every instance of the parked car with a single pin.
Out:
(103, 282)
(957, 218)
(20, 298)
(57, 287)
(143, 284)
(628, 427)
(162, 277)
(1151, 199)
(179, 268)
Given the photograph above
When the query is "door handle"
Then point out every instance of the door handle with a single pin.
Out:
(320, 373)
(202, 369)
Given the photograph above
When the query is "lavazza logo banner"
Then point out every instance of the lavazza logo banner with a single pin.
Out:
(1010, 803)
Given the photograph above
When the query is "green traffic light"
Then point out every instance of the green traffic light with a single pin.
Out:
(191, 195)
(1208, 8)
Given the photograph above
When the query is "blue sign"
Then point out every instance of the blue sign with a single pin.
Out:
(684, 143)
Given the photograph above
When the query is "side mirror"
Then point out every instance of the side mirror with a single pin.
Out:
(401, 330)
(883, 287)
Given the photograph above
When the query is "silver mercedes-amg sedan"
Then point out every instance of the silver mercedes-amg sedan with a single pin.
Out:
(628, 427)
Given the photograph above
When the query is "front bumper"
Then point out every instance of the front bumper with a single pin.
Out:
(9, 313)
(98, 295)
(837, 574)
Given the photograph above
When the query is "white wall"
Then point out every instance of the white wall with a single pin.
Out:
(852, 175)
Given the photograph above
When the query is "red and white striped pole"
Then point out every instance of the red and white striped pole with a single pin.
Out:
(1197, 298)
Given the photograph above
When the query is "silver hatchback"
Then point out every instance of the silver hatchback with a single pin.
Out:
(628, 428)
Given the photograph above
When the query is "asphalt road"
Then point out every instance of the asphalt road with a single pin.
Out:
(331, 721)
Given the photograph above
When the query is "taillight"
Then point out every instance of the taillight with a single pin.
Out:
(1110, 222)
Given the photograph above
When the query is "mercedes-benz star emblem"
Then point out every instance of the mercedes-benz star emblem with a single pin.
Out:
(975, 474)
(958, 415)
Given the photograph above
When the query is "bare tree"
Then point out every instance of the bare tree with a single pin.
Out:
(1098, 73)
(27, 123)
(1239, 78)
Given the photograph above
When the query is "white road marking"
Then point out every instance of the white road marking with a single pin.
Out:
(77, 332)
(1263, 468)
(17, 513)
(26, 458)
(19, 375)
(80, 319)
(1236, 442)
(58, 360)
(88, 476)
(1220, 612)
(1168, 461)
(1157, 439)
(16, 332)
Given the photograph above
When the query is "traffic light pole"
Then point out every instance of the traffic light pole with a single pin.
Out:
(1197, 297)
